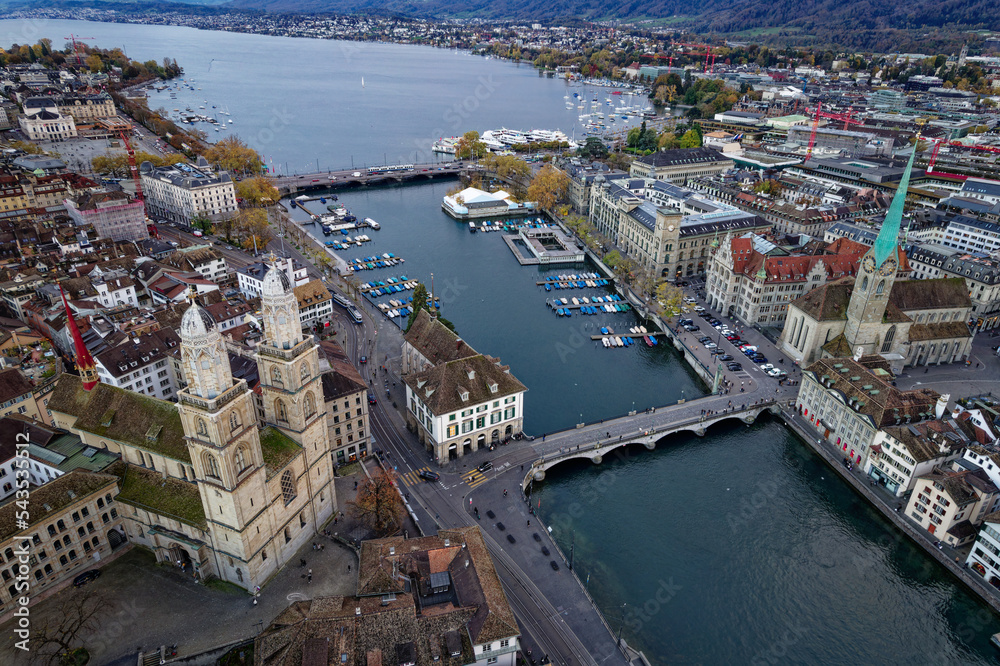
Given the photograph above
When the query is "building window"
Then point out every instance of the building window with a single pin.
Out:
(241, 460)
(287, 486)
(211, 467)
(234, 420)
(280, 412)
(310, 403)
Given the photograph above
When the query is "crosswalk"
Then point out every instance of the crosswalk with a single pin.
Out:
(474, 478)
(412, 478)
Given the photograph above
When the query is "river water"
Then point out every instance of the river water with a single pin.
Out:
(739, 547)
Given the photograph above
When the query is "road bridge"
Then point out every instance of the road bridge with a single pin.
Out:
(650, 430)
(346, 178)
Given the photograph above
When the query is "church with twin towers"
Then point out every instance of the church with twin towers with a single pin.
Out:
(209, 486)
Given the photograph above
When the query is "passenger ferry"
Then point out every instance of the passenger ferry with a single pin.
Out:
(446, 145)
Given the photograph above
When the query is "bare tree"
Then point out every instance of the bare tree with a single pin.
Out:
(59, 636)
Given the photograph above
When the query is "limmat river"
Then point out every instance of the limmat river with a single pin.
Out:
(313, 104)
(739, 547)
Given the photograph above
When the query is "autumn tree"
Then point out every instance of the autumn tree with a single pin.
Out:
(470, 147)
(691, 139)
(251, 229)
(378, 504)
(670, 298)
(507, 166)
(256, 191)
(116, 164)
(548, 186)
(234, 155)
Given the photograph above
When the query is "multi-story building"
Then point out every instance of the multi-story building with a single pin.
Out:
(83, 108)
(181, 192)
(203, 259)
(345, 395)
(581, 180)
(970, 234)
(205, 486)
(17, 394)
(113, 214)
(425, 600)
(680, 164)
(315, 303)
(459, 405)
(900, 454)
(984, 558)
(849, 400)
(754, 279)
(250, 278)
(949, 504)
(852, 143)
(77, 525)
(668, 229)
(46, 125)
(140, 364)
(981, 275)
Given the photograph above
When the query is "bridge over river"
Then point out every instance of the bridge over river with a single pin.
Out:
(594, 441)
(345, 178)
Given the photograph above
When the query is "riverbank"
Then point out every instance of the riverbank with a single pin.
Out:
(886, 505)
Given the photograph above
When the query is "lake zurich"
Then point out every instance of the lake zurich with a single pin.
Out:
(739, 547)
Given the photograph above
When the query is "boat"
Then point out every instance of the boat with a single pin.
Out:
(564, 301)
(372, 223)
(642, 329)
(472, 227)
(618, 342)
(604, 330)
(362, 82)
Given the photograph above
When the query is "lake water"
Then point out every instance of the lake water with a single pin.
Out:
(301, 103)
(739, 547)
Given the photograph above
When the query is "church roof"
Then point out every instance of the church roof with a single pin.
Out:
(828, 302)
(939, 331)
(167, 497)
(950, 292)
(125, 416)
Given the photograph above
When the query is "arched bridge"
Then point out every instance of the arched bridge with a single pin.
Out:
(596, 451)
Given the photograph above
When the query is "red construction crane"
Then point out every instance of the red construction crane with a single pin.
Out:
(709, 56)
(958, 144)
(76, 47)
(133, 169)
(847, 119)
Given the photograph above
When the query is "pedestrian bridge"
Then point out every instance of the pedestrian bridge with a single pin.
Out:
(596, 451)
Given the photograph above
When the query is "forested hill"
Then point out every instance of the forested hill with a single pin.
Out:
(727, 16)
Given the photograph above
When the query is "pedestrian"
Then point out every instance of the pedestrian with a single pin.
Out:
(529, 523)
(348, 568)
(302, 562)
(255, 601)
(543, 438)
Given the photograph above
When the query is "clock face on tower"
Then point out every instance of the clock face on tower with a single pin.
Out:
(868, 264)
(887, 268)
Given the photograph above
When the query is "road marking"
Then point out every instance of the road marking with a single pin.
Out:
(412, 477)
(474, 478)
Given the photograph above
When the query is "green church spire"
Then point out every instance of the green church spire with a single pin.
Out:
(888, 236)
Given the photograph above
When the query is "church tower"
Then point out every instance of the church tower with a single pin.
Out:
(292, 388)
(220, 429)
(876, 275)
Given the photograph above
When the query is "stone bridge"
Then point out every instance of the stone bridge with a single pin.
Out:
(596, 451)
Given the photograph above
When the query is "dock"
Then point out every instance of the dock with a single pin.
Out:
(575, 306)
(396, 287)
(598, 338)
(374, 263)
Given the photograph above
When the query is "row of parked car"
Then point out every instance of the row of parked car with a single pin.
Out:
(750, 351)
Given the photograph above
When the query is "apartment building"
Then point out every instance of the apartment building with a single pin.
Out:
(181, 192)
(113, 214)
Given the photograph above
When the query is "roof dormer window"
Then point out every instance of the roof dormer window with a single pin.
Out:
(494, 387)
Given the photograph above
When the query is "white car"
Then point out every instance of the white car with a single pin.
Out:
(710, 345)
(774, 372)
(356, 174)
(766, 367)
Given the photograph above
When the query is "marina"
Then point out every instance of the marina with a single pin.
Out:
(387, 260)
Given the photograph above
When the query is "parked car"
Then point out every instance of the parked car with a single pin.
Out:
(726, 357)
(759, 359)
(86, 577)
(692, 328)
(710, 345)
(774, 372)
(735, 367)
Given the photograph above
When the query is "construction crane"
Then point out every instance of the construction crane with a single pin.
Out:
(845, 118)
(76, 47)
(957, 144)
(134, 171)
(709, 56)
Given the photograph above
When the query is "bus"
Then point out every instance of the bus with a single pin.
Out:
(392, 167)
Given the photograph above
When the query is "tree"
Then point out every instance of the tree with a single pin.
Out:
(378, 504)
(59, 636)
(419, 303)
(690, 139)
(612, 259)
(257, 191)
(470, 147)
(670, 298)
(251, 229)
(95, 63)
(548, 186)
(234, 155)
(200, 221)
(593, 147)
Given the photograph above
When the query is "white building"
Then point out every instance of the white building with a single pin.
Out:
(458, 401)
(203, 259)
(251, 278)
(900, 454)
(140, 364)
(984, 558)
(315, 302)
(46, 125)
(113, 292)
(182, 192)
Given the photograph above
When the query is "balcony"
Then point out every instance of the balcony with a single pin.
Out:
(216, 403)
(285, 354)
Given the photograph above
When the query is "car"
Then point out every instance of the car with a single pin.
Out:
(428, 475)
(746, 348)
(684, 322)
(731, 337)
(510, 537)
(363, 359)
(759, 359)
(698, 308)
(703, 339)
(690, 300)
(735, 367)
(356, 174)
(767, 366)
(485, 467)
(501, 527)
(175, 243)
(554, 565)
(726, 357)
(692, 328)
(774, 372)
(86, 577)
(372, 400)
(710, 345)
(718, 352)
